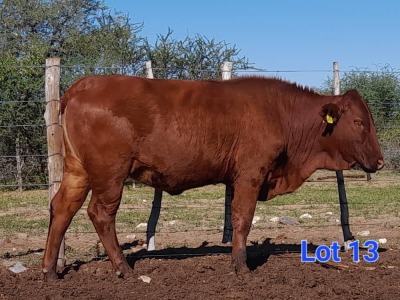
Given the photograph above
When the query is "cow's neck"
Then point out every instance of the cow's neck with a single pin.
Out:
(304, 134)
(303, 146)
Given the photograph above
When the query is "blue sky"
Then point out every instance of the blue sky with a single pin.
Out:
(283, 34)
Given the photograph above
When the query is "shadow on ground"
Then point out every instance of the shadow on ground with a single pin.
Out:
(257, 254)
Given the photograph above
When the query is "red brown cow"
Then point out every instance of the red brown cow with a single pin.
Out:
(251, 133)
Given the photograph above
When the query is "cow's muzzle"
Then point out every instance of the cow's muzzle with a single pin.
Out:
(380, 164)
(370, 168)
(373, 167)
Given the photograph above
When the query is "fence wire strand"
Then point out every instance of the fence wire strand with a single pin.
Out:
(385, 124)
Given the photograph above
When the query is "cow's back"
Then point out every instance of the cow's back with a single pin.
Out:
(174, 131)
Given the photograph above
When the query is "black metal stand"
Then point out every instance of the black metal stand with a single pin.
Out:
(344, 210)
(228, 230)
(153, 219)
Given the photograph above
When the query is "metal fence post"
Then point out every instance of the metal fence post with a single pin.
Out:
(344, 210)
(156, 205)
(229, 192)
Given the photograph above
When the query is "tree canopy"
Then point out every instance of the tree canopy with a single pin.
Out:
(380, 88)
(89, 38)
(194, 57)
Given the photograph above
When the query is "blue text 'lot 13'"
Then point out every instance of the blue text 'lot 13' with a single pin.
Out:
(325, 253)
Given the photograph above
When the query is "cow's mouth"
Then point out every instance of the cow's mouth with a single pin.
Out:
(366, 169)
(371, 168)
(354, 164)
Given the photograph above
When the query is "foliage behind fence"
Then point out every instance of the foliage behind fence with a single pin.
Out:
(23, 150)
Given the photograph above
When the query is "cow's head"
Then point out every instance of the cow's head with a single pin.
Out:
(350, 132)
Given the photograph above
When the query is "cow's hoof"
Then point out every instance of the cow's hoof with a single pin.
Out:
(239, 263)
(125, 273)
(49, 275)
(241, 270)
(240, 267)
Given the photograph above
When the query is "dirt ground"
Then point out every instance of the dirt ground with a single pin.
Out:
(201, 270)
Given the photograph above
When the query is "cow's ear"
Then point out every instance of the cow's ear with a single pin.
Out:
(330, 113)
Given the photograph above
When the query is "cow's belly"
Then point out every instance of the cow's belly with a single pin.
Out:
(174, 179)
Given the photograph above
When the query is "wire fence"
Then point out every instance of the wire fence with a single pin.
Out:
(23, 151)
(24, 157)
(195, 217)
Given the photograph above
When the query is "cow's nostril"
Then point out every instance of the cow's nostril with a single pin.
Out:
(380, 164)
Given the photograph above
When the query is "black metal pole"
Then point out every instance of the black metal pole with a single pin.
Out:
(153, 219)
(228, 230)
(344, 209)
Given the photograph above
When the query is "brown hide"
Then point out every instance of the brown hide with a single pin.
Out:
(181, 134)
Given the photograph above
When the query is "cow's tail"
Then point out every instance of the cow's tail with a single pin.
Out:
(68, 145)
(76, 87)
(64, 101)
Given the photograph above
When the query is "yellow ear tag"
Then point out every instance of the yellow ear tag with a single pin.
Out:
(329, 119)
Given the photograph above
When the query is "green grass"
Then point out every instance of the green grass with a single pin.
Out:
(328, 193)
(32, 199)
(204, 207)
(17, 223)
(200, 209)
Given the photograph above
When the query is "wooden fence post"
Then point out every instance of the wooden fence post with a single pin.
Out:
(20, 164)
(336, 80)
(227, 70)
(336, 91)
(54, 135)
(149, 70)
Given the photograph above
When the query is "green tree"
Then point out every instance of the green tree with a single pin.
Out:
(193, 58)
(380, 88)
(21, 103)
(89, 39)
(84, 34)
(79, 31)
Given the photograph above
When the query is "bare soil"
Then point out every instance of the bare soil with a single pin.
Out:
(197, 266)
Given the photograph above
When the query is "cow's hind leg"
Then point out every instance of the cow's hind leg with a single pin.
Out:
(243, 207)
(102, 210)
(67, 201)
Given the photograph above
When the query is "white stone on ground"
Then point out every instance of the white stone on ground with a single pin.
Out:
(305, 216)
(382, 241)
(363, 233)
(274, 219)
(145, 278)
(17, 268)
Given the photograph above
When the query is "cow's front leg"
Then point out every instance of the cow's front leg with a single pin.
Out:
(243, 206)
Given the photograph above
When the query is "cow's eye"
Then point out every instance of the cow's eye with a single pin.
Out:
(358, 122)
